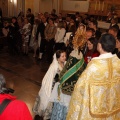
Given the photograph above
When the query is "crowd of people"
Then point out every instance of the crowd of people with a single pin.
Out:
(83, 79)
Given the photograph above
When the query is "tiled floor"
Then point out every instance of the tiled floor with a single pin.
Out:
(23, 74)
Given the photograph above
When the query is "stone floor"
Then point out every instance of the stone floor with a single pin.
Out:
(23, 74)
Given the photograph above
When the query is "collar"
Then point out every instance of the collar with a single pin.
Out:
(106, 55)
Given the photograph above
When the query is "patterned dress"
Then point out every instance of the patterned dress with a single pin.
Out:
(63, 89)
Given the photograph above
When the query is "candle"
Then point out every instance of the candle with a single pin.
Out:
(99, 6)
(103, 6)
(95, 5)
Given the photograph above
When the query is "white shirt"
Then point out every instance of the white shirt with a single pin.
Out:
(59, 36)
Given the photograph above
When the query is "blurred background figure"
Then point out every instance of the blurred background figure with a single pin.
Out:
(10, 107)
(91, 49)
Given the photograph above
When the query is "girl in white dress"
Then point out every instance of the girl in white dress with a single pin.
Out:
(44, 94)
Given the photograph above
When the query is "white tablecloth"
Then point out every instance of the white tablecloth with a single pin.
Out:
(104, 25)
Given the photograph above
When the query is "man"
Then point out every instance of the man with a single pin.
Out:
(96, 94)
(114, 31)
(40, 35)
(14, 37)
(94, 24)
(114, 23)
(30, 16)
(10, 107)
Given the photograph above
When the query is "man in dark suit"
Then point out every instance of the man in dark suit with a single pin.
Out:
(40, 34)
(114, 23)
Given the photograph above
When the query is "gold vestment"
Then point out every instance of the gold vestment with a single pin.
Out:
(96, 94)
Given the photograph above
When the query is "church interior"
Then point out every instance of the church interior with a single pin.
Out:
(23, 72)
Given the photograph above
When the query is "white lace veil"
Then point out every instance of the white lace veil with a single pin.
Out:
(55, 59)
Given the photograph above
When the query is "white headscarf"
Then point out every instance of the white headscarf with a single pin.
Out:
(46, 88)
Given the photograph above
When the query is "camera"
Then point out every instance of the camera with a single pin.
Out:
(8, 90)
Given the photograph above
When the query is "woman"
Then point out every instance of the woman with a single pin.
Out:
(72, 26)
(50, 32)
(59, 37)
(26, 34)
(91, 49)
(47, 82)
(63, 89)
(33, 42)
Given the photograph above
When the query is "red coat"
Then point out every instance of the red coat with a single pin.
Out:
(90, 55)
(16, 109)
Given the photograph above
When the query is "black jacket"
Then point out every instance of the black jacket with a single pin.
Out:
(40, 29)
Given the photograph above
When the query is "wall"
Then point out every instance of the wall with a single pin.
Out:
(45, 6)
(29, 4)
(36, 7)
(4, 7)
(94, 9)
(75, 5)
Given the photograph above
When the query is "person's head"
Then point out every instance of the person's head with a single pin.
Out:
(61, 25)
(114, 20)
(36, 21)
(51, 21)
(68, 18)
(56, 19)
(26, 21)
(89, 33)
(28, 10)
(60, 15)
(92, 44)
(82, 26)
(5, 24)
(61, 55)
(14, 19)
(2, 83)
(40, 15)
(77, 14)
(53, 11)
(118, 43)
(93, 24)
(46, 14)
(43, 18)
(113, 30)
(106, 43)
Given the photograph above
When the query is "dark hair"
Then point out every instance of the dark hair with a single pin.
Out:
(3, 88)
(29, 9)
(94, 41)
(58, 53)
(77, 13)
(107, 42)
(115, 29)
(51, 19)
(94, 22)
(14, 18)
(91, 30)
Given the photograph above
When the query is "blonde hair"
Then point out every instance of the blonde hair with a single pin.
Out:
(80, 37)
